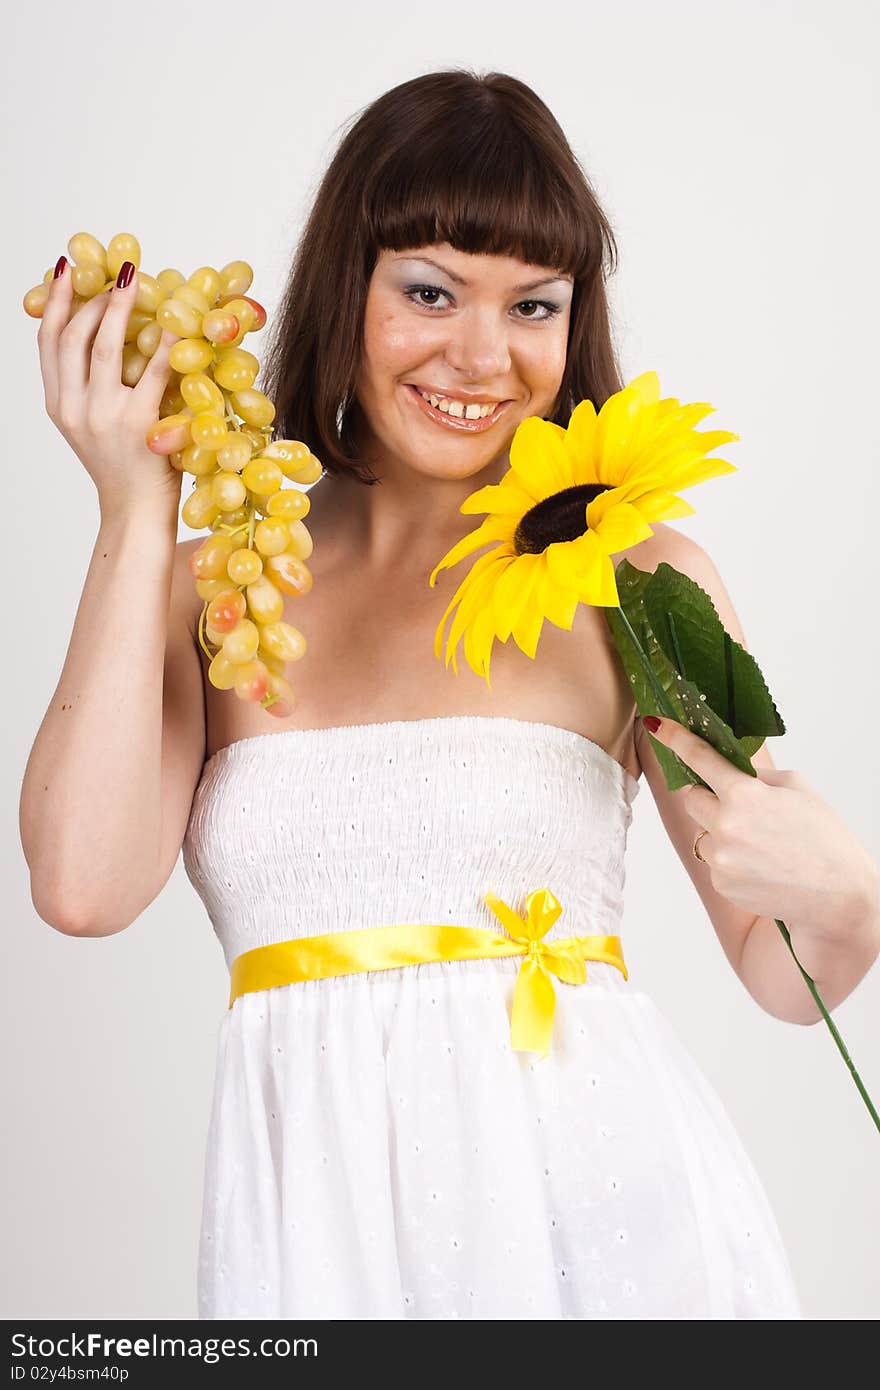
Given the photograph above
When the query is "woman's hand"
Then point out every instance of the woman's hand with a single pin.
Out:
(104, 421)
(773, 847)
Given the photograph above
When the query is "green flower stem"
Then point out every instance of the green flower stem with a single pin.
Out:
(663, 700)
(834, 1033)
(667, 707)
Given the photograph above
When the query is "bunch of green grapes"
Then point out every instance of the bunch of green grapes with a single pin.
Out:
(214, 424)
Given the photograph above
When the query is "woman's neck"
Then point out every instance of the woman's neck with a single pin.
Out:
(405, 515)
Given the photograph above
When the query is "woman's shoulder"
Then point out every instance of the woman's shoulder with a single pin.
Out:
(665, 544)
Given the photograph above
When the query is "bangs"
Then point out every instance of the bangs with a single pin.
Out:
(484, 188)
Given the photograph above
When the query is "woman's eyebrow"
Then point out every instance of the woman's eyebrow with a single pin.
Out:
(460, 280)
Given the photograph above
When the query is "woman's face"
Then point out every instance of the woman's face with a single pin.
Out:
(475, 332)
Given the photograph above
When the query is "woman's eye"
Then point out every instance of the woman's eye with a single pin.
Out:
(423, 289)
(414, 291)
(540, 304)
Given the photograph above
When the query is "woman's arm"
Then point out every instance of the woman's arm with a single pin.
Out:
(836, 953)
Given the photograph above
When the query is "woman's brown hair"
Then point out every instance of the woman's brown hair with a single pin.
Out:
(452, 156)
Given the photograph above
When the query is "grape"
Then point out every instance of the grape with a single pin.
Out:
(216, 425)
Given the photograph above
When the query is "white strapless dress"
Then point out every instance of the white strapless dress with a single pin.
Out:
(376, 1149)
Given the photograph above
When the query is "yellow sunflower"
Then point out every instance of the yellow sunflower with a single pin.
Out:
(571, 499)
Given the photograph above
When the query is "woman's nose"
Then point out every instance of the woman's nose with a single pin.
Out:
(478, 349)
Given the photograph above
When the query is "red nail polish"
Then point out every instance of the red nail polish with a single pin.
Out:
(123, 279)
(59, 266)
(651, 722)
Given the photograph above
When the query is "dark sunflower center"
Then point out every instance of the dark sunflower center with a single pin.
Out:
(557, 518)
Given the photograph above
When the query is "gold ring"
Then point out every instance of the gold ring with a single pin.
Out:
(697, 854)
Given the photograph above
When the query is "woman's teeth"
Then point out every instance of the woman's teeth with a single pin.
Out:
(458, 408)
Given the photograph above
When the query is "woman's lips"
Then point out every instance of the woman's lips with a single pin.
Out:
(452, 422)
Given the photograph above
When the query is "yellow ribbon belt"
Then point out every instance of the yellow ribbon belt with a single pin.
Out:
(381, 948)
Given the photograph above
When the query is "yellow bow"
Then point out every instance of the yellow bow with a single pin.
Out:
(385, 947)
(534, 998)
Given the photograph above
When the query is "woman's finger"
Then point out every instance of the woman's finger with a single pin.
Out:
(74, 354)
(56, 314)
(717, 772)
(154, 378)
(105, 368)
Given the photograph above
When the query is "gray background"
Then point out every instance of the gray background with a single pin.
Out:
(734, 149)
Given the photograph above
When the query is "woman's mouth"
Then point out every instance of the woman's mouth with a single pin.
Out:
(455, 422)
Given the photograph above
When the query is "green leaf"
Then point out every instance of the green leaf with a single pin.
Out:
(688, 628)
(681, 663)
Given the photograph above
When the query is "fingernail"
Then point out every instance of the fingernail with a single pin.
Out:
(123, 279)
(651, 722)
(59, 266)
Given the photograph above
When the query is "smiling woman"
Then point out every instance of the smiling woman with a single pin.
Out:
(398, 875)
(444, 168)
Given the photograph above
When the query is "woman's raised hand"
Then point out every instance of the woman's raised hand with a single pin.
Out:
(104, 421)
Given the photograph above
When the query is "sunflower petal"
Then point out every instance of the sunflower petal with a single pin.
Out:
(527, 630)
(558, 603)
(680, 462)
(457, 600)
(479, 631)
(453, 602)
(647, 387)
(598, 585)
(630, 491)
(681, 456)
(539, 458)
(494, 528)
(660, 505)
(692, 414)
(566, 561)
(511, 594)
(620, 527)
(505, 501)
(668, 430)
(484, 638)
(468, 605)
(558, 430)
(701, 471)
(579, 568)
(614, 428)
(580, 442)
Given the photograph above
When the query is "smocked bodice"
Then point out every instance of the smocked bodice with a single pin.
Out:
(318, 830)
